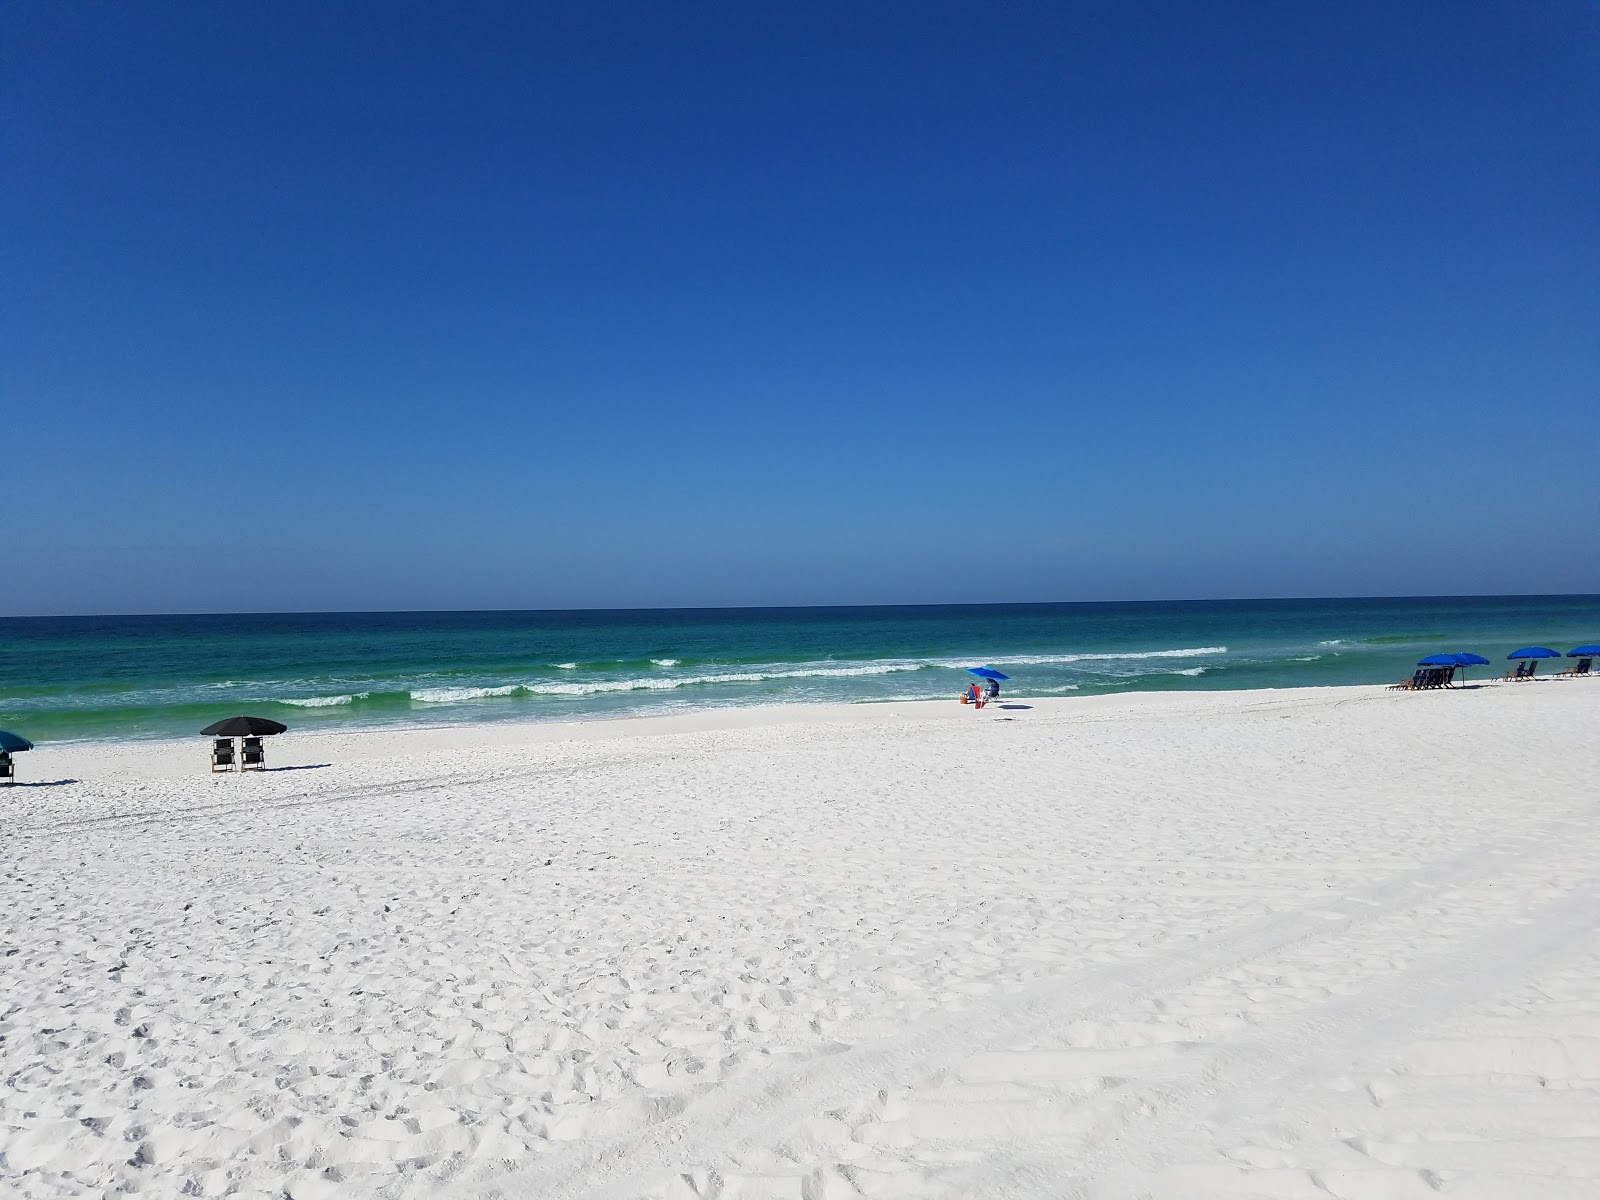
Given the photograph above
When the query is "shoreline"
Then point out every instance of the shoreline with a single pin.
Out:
(465, 735)
(169, 757)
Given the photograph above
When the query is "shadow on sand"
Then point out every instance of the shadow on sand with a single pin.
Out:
(43, 782)
(1025, 706)
(307, 767)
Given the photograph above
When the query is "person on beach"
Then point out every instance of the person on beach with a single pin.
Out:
(974, 697)
(992, 690)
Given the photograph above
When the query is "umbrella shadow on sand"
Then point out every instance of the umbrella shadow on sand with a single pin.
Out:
(306, 767)
(43, 782)
(1027, 707)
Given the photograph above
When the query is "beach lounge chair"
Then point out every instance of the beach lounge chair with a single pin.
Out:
(252, 754)
(8, 768)
(1520, 673)
(1409, 685)
(222, 754)
(1582, 667)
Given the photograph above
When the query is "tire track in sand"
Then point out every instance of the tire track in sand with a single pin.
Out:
(1150, 1131)
(756, 1110)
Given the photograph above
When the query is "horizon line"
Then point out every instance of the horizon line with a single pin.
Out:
(361, 612)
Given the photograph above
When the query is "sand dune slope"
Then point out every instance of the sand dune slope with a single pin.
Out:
(1322, 943)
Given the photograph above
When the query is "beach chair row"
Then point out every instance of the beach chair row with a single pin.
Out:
(1525, 670)
(252, 755)
(1427, 677)
(1439, 670)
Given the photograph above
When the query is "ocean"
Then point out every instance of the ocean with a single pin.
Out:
(164, 676)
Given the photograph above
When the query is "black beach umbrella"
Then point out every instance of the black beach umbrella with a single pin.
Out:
(13, 743)
(244, 727)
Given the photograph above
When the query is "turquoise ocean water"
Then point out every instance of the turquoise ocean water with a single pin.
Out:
(161, 676)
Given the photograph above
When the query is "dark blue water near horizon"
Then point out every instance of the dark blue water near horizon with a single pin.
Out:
(154, 676)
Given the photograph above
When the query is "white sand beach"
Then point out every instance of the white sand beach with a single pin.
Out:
(1336, 942)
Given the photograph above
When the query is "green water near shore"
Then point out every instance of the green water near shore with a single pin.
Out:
(162, 676)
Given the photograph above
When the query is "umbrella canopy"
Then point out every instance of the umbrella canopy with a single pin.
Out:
(12, 744)
(244, 727)
(1468, 659)
(1590, 651)
(1440, 660)
(1534, 652)
(986, 673)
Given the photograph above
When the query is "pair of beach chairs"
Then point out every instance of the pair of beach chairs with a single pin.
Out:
(252, 755)
(1524, 670)
(1581, 668)
(1427, 677)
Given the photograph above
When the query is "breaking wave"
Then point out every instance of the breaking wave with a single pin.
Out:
(1040, 660)
(660, 680)
(453, 695)
(324, 701)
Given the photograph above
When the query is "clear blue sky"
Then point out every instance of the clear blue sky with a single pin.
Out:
(322, 306)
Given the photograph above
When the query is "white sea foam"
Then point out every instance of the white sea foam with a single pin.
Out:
(1332, 642)
(667, 685)
(764, 674)
(452, 695)
(1308, 657)
(566, 666)
(323, 701)
(1041, 660)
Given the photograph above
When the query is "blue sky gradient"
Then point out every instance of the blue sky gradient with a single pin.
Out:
(377, 306)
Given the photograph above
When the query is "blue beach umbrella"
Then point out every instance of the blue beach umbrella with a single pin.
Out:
(1440, 660)
(12, 744)
(1534, 652)
(986, 673)
(1468, 659)
(1590, 651)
